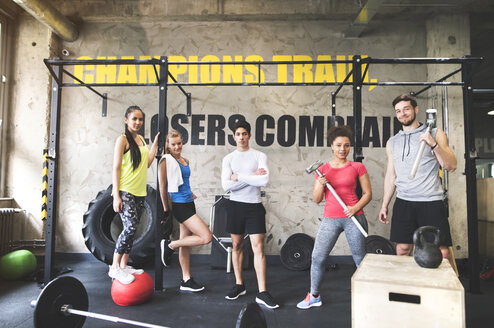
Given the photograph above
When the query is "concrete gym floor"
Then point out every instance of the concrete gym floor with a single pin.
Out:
(209, 308)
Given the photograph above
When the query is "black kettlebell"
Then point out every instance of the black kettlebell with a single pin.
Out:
(427, 254)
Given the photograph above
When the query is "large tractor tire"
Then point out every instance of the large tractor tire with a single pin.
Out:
(102, 226)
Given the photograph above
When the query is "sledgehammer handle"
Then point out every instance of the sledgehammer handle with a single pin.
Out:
(330, 187)
(419, 156)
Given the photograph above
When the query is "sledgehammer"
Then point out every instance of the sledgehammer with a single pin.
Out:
(431, 123)
(315, 167)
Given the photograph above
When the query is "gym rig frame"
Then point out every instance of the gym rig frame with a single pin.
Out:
(56, 68)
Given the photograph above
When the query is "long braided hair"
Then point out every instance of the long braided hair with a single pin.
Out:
(135, 153)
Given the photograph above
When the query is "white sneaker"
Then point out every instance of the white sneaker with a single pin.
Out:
(122, 276)
(131, 270)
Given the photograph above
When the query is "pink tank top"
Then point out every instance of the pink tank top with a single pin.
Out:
(344, 182)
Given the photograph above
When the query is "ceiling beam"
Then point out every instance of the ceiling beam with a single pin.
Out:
(51, 17)
(363, 18)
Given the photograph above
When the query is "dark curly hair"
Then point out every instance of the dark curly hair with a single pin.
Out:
(241, 124)
(339, 131)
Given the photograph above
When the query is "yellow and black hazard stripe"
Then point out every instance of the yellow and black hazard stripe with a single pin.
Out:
(44, 192)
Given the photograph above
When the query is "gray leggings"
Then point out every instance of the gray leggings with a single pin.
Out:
(327, 235)
(130, 215)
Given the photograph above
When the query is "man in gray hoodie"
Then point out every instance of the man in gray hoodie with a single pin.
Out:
(419, 201)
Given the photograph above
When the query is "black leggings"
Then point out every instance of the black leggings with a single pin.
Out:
(132, 207)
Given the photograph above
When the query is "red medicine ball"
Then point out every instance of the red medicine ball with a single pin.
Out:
(137, 292)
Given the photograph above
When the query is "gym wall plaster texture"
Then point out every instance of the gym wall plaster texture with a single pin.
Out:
(27, 129)
(87, 139)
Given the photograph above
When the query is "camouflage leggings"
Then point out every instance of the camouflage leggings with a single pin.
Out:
(132, 207)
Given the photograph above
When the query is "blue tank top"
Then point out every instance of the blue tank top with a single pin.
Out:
(184, 194)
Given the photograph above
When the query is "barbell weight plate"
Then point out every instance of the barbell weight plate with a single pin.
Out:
(301, 235)
(58, 292)
(296, 253)
(379, 245)
(251, 316)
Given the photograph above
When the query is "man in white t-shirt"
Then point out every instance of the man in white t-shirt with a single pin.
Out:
(244, 172)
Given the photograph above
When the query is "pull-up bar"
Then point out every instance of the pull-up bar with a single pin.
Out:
(357, 83)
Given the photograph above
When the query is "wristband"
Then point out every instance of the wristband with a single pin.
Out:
(434, 146)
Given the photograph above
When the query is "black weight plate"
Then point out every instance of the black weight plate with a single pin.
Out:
(379, 245)
(296, 253)
(251, 316)
(58, 292)
(302, 236)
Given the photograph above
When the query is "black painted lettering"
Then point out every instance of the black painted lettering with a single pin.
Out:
(371, 132)
(154, 126)
(177, 121)
(216, 128)
(306, 129)
(386, 129)
(196, 129)
(286, 130)
(264, 139)
(350, 121)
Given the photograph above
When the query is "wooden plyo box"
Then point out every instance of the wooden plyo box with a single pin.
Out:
(394, 291)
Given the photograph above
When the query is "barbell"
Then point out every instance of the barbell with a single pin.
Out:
(64, 303)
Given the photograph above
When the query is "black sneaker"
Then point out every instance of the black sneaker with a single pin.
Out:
(235, 292)
(190, 286)
(267, 300)
(166, 252)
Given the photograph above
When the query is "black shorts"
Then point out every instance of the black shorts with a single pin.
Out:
(183, 211)
(245, 218)
(409, 216)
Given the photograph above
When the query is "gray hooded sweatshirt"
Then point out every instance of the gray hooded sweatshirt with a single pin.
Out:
(426, 186)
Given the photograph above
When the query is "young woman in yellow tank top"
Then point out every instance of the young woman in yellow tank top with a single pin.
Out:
(131, 159)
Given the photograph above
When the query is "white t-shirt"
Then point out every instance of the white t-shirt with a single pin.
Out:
(245, 164)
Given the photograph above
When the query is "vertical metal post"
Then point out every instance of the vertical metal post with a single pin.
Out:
(357, 115)
(471, 179)
(51, 219)
(446, 131)
(163, 129)
(357, 108)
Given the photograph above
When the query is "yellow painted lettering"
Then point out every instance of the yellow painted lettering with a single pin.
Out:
(106, 73)
(254, 69)
(372, 86)
(147, 73)
(176, 70)
(282, 68)
(193, 76)
(210, 73)
(232, 72)
(350, 68)
(364, 66)
(324, 72)
(80, 71)
(302, 72)
(127, 73)
(340, 69)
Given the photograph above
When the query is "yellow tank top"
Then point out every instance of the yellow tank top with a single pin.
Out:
(134, 181)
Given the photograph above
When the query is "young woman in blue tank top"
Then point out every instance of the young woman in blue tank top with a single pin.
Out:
(174, 180)
(184, 194)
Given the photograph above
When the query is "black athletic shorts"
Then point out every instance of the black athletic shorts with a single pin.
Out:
(409, 216)
(245, 218)
(183, 211)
